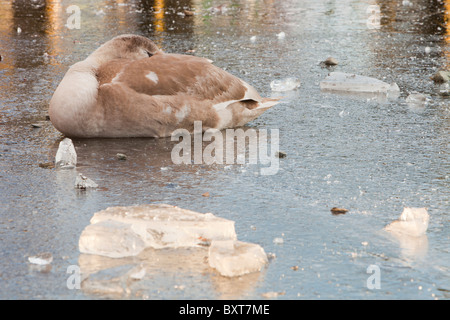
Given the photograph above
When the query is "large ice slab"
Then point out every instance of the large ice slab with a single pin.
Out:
(125, 231)
(233, 258)
(412, 221)
(348, 82)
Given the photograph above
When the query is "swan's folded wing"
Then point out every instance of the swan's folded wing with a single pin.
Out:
(172, 74)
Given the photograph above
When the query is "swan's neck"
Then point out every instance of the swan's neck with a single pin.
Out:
(73, 105)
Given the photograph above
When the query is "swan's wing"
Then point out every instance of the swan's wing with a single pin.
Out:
(173, 74)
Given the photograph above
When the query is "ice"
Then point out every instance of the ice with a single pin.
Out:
(66, 156)
(82, 182)
(416, 101)
(233, 258)
(278, 240)
(412, 221)
(125, 231)
(287, 84)
(340, 81)
(41, 258)
(111, 239)
(281, 35)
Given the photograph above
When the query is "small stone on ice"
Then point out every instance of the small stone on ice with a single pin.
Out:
(121, 156)
(233, 258)
(41, 259)
(281, 154)
(412, 221)
(331, 61)
(441, 76)
(253, 38)
(287, 84)
(336, 211)
(66, 156)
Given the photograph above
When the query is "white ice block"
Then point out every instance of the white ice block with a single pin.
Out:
(287, 84)
(66, 156)
(41, 258)
(157, 226)
(412, 221)
(111, 239)
(233, 258)
(347, 82)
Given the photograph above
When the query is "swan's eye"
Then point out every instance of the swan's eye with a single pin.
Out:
(149, 54)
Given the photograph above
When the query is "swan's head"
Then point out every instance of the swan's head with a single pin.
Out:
(128, 46)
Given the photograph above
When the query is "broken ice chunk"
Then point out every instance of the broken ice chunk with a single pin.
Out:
(82, 182)
(157, 226)
(287, 84)
(111, 239)
(340, 81)
(66, 156)
(41, 258)
(416, 101)
(412, 221)
(233, 258)
(281, 35)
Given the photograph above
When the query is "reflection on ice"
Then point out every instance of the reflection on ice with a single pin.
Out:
(157, 271)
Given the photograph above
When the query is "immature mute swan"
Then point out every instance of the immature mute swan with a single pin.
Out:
(130, 88)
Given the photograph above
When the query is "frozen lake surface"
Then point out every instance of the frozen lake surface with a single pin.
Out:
(370, 155)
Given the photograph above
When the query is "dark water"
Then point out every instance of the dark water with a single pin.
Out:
(371, 157)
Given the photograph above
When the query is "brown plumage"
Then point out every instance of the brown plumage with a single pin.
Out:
(130, 88)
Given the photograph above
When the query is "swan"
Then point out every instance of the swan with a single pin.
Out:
(128, 87)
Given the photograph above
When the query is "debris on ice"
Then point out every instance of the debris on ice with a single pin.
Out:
(66, 156)
(41, 258)
(330, 61)
(441, 76)
(340, 81)
(82, 182)
(233, 258)
(287, 84)
(412, 221)
(121, 156)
